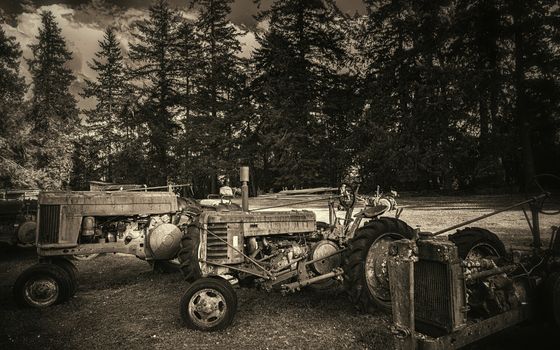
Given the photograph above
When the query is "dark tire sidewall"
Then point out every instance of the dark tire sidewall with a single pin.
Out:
(355, 280)
(56, 272)
(220, 285)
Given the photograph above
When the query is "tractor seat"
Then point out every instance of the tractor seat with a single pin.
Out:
(372, 212)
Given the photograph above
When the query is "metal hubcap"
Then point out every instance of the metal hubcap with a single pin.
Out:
(207, 307)
(376, 270)
(41, 292)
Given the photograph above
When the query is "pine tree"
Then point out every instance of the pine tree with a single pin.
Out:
(111, 133)
(213, 129)
(53, 114)
(297, 64)
(154, 55)
(410, 132)
(14, 170)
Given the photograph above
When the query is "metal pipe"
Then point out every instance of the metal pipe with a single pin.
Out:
(152, 188)
(254, 273)
(532, 200)
(244, 177)
(296, 203)
(491, 272)
(297, 285)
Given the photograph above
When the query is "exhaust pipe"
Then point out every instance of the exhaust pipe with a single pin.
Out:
(244, 177)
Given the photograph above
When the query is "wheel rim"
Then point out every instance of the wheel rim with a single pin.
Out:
(481, 250)
(376, 270)
(207, 308)
(41, 292)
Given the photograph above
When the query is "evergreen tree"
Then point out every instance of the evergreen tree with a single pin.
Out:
(14, 168)
(53, 114)
(110, 133)
(154, 54)
(297, 65)
(411, 131)
(213, 129)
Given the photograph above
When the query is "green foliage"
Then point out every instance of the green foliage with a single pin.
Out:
(438, 95)
(53, 116)
(297, 67)
(154, 55)
(110, 124)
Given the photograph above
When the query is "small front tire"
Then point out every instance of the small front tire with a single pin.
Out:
(42, 285)
(209, 304)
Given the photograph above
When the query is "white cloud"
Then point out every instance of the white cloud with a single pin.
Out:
(83, 27)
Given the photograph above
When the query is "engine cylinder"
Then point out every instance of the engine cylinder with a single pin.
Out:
(165, 241)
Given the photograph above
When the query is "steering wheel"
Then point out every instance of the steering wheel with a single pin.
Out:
(538, 181)
(347, 196)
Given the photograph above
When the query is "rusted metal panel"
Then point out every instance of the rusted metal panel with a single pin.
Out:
(476, 331)
(73, 206)
(401, 280)
(265, 223)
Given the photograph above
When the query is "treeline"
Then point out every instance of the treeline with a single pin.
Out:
(429, 95)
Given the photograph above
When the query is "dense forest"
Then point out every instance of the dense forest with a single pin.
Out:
(439, 95)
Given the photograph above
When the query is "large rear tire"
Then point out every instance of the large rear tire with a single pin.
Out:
(42, 285)
(476, 242)
(366, 276)
(209, 304)
(188, 255)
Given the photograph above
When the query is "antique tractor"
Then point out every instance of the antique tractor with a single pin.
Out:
(449, 292)
(145, 224)
(286, 251)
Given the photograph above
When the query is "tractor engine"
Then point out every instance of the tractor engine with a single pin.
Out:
(451, 293)
(261, 244)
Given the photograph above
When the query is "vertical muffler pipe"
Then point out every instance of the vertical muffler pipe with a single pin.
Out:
(244, 177)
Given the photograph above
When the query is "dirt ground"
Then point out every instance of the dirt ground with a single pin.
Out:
(122, 304)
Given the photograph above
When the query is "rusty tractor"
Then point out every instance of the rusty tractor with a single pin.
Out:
(449, 292)
(286, 251)
(145, 224)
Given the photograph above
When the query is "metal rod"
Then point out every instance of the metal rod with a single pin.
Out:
(152, 188)
(491, 272)
(295, 285)
(296, 203)
(235, 268)
(240, 252)
(325, 257)
(532, 200)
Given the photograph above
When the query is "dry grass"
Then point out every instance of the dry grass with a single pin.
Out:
(122, 304)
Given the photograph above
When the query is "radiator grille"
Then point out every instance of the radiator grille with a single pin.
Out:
(432, 295)
(216, 249)
(49, 223)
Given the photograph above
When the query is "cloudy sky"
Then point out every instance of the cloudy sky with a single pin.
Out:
(83, 23)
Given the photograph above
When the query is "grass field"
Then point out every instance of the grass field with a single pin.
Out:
(122, 304)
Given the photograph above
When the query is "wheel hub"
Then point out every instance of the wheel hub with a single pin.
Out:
(376, 272)
(41, 292)
(207, 307)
